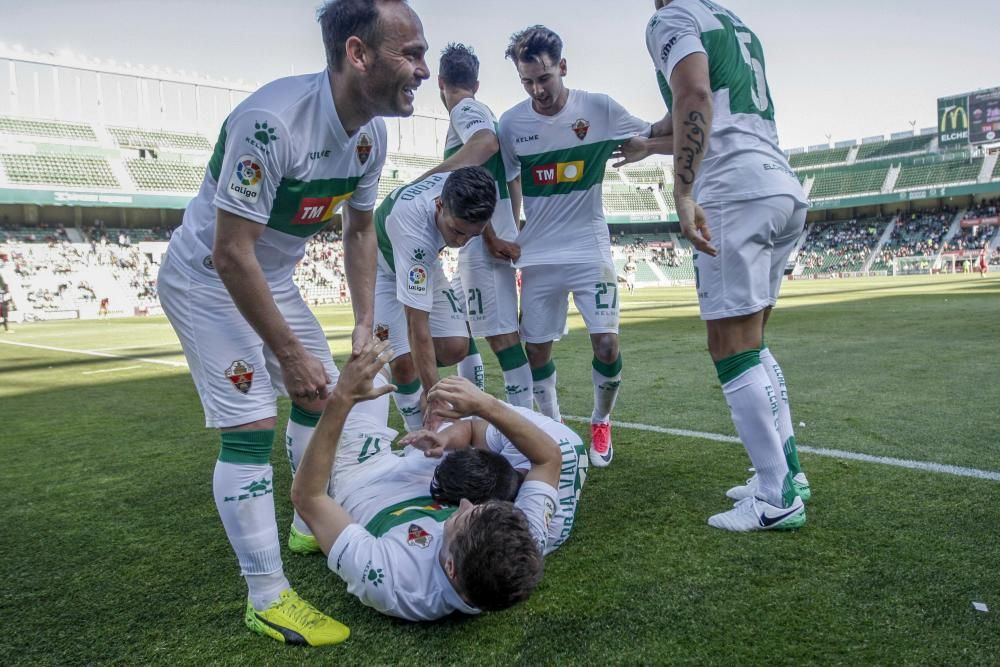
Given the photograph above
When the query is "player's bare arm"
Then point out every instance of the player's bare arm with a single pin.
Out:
(360, 249)
(480, 147)
(324, 516)
(460, 435)
(514, 187)
(418, 329)
(464, 399)
(692, 120)
(236, 262)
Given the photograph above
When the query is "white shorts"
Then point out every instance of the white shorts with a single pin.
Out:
(754, 239)
(544, 299)
(238, 378)
(447, 318)
(489, 287)
(365, 442)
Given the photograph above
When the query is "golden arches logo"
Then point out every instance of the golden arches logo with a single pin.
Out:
(954, 119)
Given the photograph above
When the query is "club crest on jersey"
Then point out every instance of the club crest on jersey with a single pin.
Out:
(240, 373)
(382, 331)
(364, 147)
(247, 178)
(580, 128)
(418, 537)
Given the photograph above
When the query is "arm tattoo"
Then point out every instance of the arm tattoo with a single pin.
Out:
(694, 146)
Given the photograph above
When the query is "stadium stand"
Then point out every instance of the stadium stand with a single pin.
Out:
(163, 175)
(894, 148)
(839, 247)
(415, 163)
(54, 169)
(941, 173)
(915, 236)
(629, 199)
(48, 129)
(840, 181)
(818, 158)
(646, 175)
(132, 137)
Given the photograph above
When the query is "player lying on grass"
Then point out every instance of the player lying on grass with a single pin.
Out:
(479, 463)
(400, 551)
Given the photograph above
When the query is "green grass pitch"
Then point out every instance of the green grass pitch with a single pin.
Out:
(112, 552)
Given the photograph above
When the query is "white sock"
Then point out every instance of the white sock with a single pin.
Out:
(298, 433)
(516, 376)
(243, 486)
(544, 390)
(753, 405)
(607, 379)
(472, 368)
(408, 403)
(785, 428)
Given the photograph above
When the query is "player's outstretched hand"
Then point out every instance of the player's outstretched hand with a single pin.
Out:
(632, 150)
(355, 383)
(304, 376)
(502, 249)
(456, 397)
(429, 442)
(694, 225)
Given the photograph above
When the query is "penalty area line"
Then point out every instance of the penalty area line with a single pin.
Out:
(925, 466)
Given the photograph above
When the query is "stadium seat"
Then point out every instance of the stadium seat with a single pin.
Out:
(54, 169)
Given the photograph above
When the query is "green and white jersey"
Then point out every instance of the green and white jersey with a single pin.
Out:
(742, 160)
(282, 160)
(409, 241)
(572, 475)
(467, 118)
(390, 557)
(561, 161)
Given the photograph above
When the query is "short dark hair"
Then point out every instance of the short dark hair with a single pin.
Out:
(531, 43)
(470, 194)
(477, 475)
(341, 19)
(459, 66)
(497, 562)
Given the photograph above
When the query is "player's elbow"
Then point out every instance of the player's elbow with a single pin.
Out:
(225, 259)
(696, 96)
(303, 501)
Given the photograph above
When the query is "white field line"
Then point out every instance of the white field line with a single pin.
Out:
(925, 466)
(94, 353)
(119, 348)
(111, 370)
(684, 433)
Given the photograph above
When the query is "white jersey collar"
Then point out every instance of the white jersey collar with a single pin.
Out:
(329, 108)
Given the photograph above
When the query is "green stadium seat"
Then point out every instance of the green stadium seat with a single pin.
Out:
(53, 169)
(133, 137)
(820, 157)
(46, 129)
(162, 175)
(940, 173)
(839, 181)
(896, 147)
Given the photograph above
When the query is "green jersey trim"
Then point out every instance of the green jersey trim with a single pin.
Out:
(218, 154)
(408, 511)
(381, 234)
(493, 164)
(568, 170)
(303, 208)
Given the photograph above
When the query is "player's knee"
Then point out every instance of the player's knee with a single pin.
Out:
(403, 370)
(451, 350)
(315, 405)
(538, 355)
(503, 341)
(267, 424)
(606, 348)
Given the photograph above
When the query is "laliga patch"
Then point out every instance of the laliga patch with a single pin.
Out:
(416, 279)
(240, 373)
(418, 537)
(247, 178)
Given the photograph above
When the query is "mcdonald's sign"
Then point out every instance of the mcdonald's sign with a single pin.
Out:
(953, 121)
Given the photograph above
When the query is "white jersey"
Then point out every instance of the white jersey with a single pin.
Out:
(284, 160)
(390, 558)
(409, 241)
(743, 160)
(467, 118)
(571, 477)
(561, 161)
